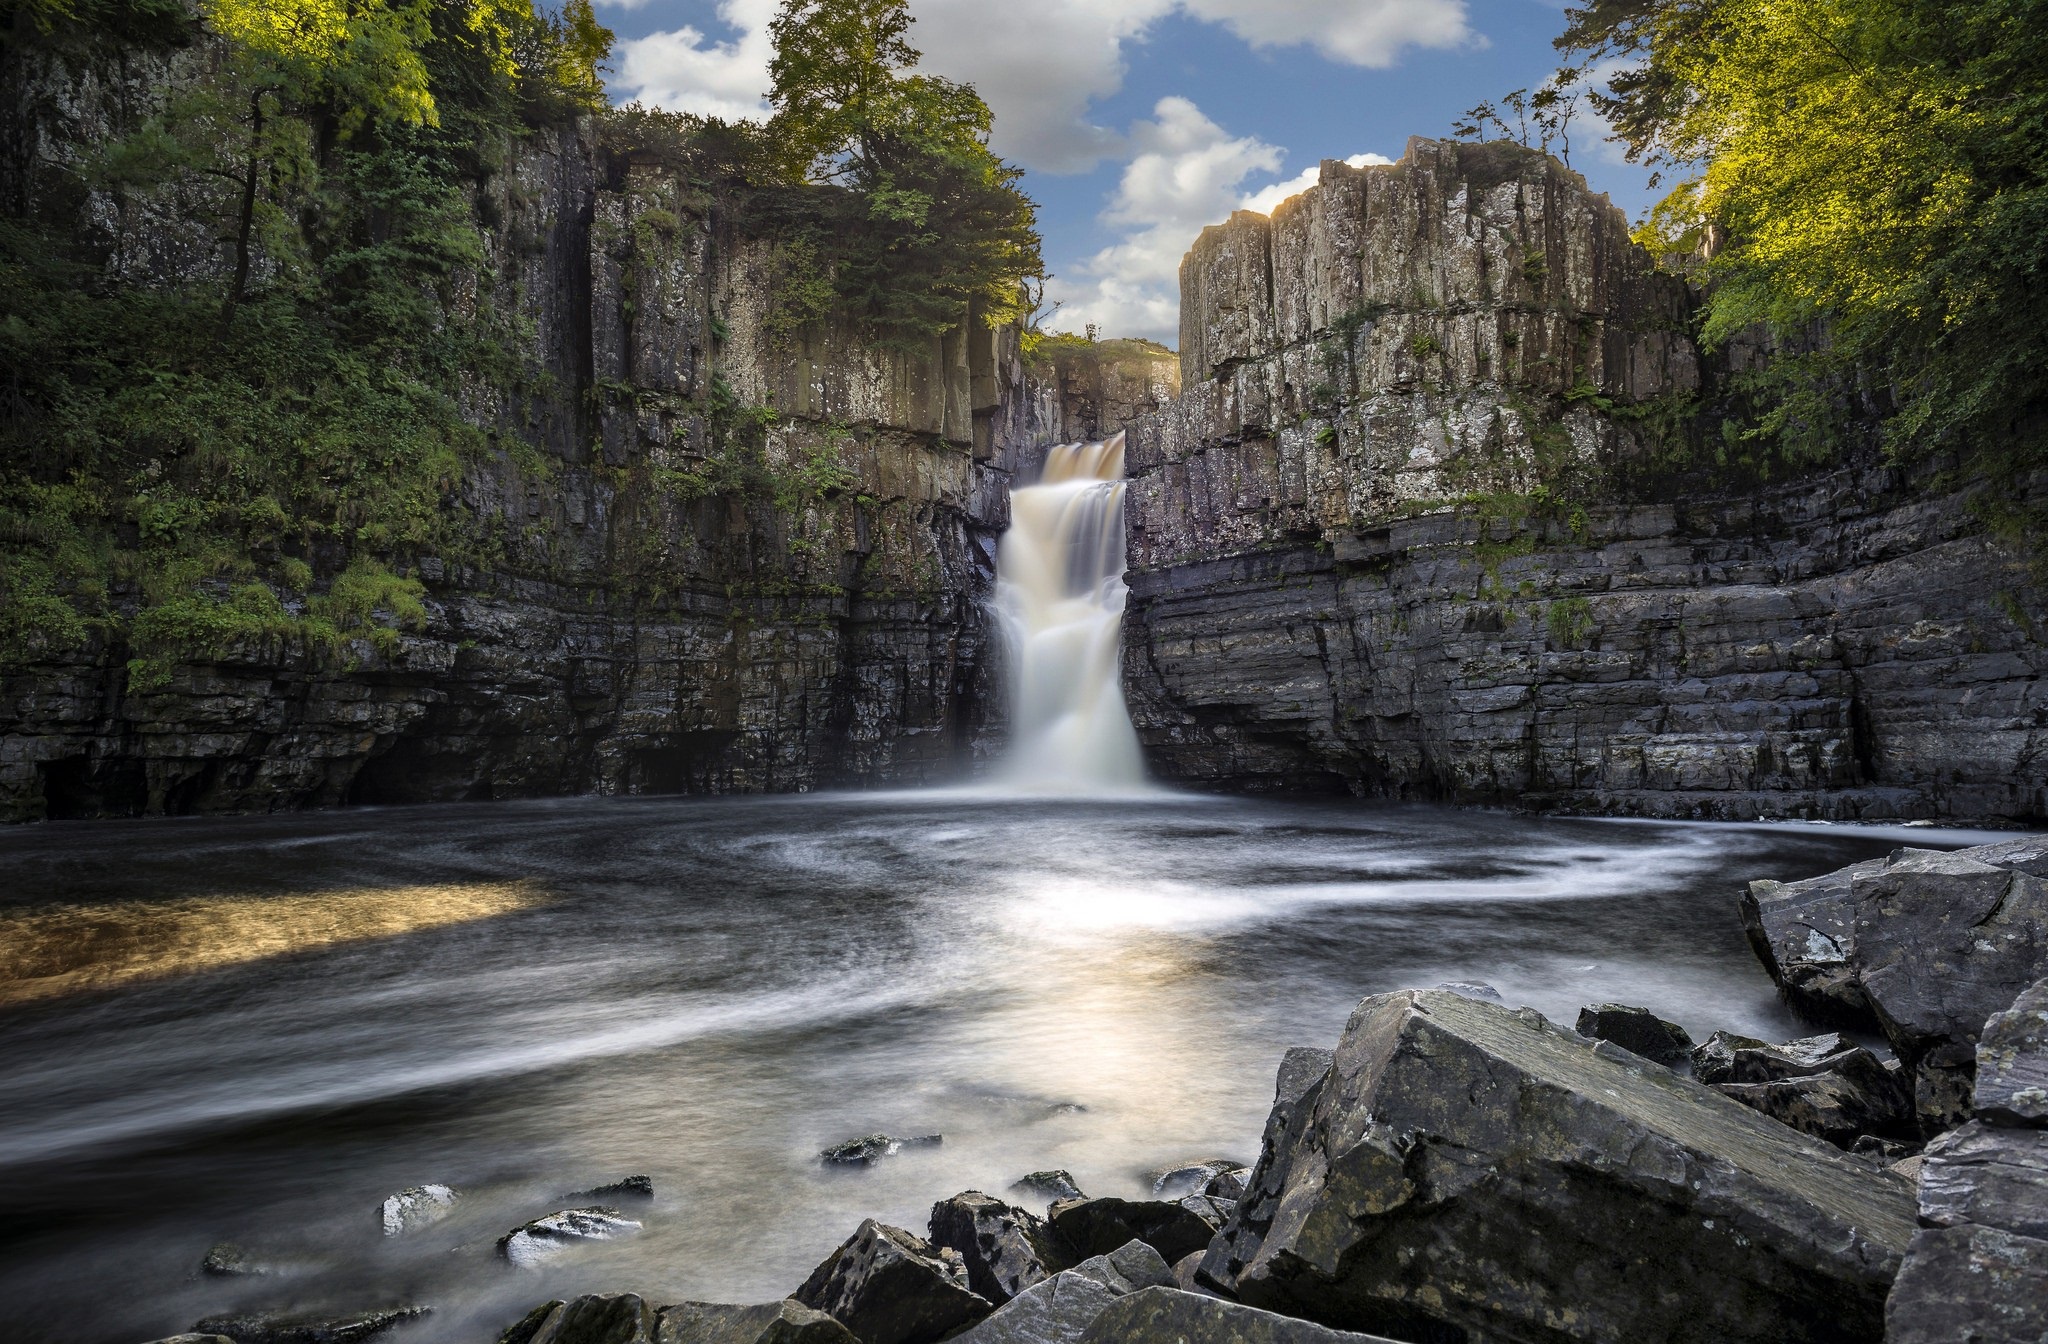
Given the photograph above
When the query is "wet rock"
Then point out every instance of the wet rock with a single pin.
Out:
(226, 1260)
(1472, 989)
(415, 1208)
(545, 1238)
(1825, 1105)
(1637, 1030)
(1461, 1166)
(1228, 1185)
(2012, 1062)
(1970, 1285)
(868, 1150)
(609, 1318)
(1191, 1178)
(1297, 1085)
(193, 1339)
(1300, 1067)
(1005, 1249)
(1049, 1185)
(1992, 1176)
(1171, 1316)
(889, 1286)
(784, 1322)
(1169, 1226)
(1059, 1310)
(626, 1187)
(278, 1328)
(1713, 1060)
(1804, 933)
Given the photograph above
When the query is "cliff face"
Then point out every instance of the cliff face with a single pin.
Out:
(1376, 545)
(643, 626)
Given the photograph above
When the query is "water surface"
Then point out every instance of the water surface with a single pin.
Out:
(254, 1029)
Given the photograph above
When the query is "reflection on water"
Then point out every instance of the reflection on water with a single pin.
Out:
(63, 948)
(524, 1000)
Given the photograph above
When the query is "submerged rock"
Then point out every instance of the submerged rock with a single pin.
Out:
(1170, 1316)
(1462, 1168)
(889, 1286)
(420, 1206)
(599, 1318)
(1060, 1310)
(786, 1322)
(1191, 1178)
(544, 1238)
(626, 1187)
(1637, 1030)
(226, 1260)
(280, 1328)
(866, 1151)
(1173, 1227)
(1050, 1185)
(1005, 1249)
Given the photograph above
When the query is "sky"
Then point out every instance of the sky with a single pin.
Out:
(1139, 122)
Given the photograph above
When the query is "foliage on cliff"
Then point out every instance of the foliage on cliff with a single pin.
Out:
(1879, 170)
(234, 410)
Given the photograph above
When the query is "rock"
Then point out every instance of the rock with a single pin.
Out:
(1804, 934)
(1005, 1249)
(1172, 1227)
(415, 1208)
(1713, 1060)
(1970, 1285)
(1300, 1067)
(1050, 1185)
(865, 1152)
(226, 1260)
(2012, 1062)
(1825, 1105)
(1228, 1185)
(1886, 1152)
(1472, 989)
(1059, 1310)
(784, 1322)
(614, 1318)
(193, 1339)
(889, 1286)
(1190, 1178)
(544, 1238)
(1637, 1030)
(274, 1328)
(1171, 1316)
(626, 1187)
(1462, 1166)
(1296, 1086)
(1987, 1175)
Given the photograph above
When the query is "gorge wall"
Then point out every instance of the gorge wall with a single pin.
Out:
(1395, 538)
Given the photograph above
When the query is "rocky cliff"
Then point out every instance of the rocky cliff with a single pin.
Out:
(650, 614)
(1412, 530)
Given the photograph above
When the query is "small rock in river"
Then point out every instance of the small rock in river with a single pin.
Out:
(544, 1238)
(275, 1328)
(189, 1338)
(629, 1187)
(1190, 1178)
(865, 1152)
(1050, 1185)
(415, 1208)
(226, 1260)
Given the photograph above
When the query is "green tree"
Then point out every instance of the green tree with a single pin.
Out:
(1879, 171)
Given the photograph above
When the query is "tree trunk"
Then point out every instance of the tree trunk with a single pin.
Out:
(246, 227)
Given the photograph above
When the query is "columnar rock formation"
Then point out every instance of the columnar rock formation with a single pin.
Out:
(1400, 535)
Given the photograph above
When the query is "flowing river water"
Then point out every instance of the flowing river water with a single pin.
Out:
(255, 1029)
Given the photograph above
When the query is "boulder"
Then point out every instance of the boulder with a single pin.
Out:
(868, 1150)
(189, 1338)
(626, 1187)
(1049, 1185)
(226, 1260)
(1173, 1227)
(2012, 1062)
(1970, 1285)
(1804, 933)
(420, 1206)
(1472, 989)
(1170, 1316)
(1825, 1105)
(545, 1238)
(1464, 1170)
(1191, 1178)
(1296, 1086)
(278, 1328)
(1060, 1310)
(889, 1286)
(1005, 1249)
(613, 1318)
(1713, 1060)
(784, 1322)
(1637, 1030)
(1992, 1176)
(1228, 1185)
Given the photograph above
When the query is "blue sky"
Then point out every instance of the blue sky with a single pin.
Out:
(1139, 121)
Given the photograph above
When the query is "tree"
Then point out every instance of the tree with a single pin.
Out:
(1880, 171)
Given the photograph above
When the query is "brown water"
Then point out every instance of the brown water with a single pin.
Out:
(254, 1029)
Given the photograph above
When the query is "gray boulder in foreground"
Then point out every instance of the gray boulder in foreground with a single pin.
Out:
(784, 1322)
(1060, 1310)
(1970, 1285)
(1169, 1316)
(1466, 1170)
(599, 1318)
(1004, 1248)
(2012, 1062)
(1173, 1227)
(189, 1338)
(890, 1286)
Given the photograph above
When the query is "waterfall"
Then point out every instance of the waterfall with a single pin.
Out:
(1060, 591)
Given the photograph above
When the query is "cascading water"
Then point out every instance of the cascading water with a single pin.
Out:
(1060, 591)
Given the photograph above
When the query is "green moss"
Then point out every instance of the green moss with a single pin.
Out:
(1569, 621)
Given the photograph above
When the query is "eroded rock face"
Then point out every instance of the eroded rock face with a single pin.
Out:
(889, 1286)
(1005, 1249)
(1460, 1165)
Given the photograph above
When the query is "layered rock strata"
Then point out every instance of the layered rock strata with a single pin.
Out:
(1383, 542)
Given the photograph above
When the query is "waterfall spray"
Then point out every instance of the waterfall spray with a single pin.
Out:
(1060, 589)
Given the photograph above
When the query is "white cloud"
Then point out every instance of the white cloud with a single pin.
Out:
(685, 71)
(1357, 32)
(1265, 198)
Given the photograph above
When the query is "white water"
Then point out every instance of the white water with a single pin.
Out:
(1060, 591)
